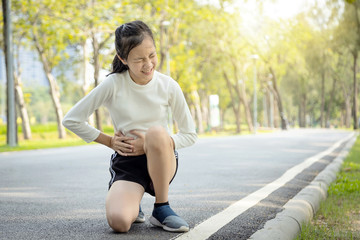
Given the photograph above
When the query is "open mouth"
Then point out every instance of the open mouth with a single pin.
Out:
(147, 72)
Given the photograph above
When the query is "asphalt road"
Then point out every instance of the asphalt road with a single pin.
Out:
(60, 193)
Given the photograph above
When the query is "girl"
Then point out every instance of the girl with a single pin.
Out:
(145, 159)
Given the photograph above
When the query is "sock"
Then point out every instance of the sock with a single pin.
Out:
(156, 205)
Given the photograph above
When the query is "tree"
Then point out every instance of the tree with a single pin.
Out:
(348, 40)
(354, 9)
(93, 21)
(50, 38)
(276, 52)
(19, 97)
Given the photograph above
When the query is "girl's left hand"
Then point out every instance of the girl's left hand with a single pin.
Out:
(138, 143)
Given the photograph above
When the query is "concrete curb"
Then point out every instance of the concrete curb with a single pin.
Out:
(301, 209)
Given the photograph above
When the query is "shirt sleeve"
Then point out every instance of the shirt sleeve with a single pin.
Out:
(187, 135)
(76, 119)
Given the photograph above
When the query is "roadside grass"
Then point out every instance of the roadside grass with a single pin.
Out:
(46, 136)
(339, 215)
(43, 136)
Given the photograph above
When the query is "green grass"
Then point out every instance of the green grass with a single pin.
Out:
(339, 215)
(46, 136)
(43, 136)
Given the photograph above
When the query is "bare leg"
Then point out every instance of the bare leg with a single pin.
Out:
(159, 150)
(122, 204)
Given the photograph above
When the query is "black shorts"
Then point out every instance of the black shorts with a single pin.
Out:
(133, 169)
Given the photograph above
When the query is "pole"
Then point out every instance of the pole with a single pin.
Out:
(11, 112)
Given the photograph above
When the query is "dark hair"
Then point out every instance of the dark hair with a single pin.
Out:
(128, 36)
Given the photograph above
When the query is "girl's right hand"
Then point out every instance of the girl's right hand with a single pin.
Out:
(119, 144)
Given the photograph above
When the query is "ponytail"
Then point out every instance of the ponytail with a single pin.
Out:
(118, 66)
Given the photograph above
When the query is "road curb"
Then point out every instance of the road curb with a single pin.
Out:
(287, 224)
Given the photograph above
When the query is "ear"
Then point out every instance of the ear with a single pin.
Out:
(122, 60)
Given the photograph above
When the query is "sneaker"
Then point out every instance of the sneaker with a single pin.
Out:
(166, 218)
(141, 216)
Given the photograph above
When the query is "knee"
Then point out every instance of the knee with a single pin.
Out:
(156, 137)
(119, 222)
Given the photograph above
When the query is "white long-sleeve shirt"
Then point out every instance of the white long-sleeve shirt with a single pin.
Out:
(134, 107)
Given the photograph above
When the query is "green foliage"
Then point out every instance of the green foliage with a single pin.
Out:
(350, 1)
(205, 41)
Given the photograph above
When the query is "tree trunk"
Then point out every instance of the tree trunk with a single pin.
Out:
(246, 104)
(20, 100)
(276, 112)
(236, 107)
(162, 47)
(96, 59)
(85, 86)
(268, 107)
(22, 108)
(303, 108)
(322, 107)
(85, 75)
(55, 96)
(222, 118)
(205, 113)
(355, 95)
(196, 98)
(347, 116)
(242, 97)
(54, 89)
(271, 106)
(204, 101)
(279, 101)
(329, 110)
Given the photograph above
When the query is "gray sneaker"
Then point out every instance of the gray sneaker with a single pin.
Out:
(141, 216)
(166, 218)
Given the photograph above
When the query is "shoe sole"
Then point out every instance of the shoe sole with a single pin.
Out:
(140, 220)
(155, 222)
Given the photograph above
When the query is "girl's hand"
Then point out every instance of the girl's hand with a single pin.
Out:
(136, 144)
(120, 144)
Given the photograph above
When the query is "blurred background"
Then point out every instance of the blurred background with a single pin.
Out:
(244, 66)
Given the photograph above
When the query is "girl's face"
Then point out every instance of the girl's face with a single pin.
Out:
(142, 61)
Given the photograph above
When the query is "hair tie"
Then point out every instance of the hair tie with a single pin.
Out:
(124, 26)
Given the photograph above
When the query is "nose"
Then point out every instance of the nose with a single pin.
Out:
(148, 63)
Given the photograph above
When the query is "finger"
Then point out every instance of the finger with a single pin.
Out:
(125, 139)
(130, 142)
(126, 146)
(122, 138)
(126, 149)
(119, 134)
(121, 153)
(122, 146)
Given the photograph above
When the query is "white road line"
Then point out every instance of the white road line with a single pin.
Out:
(207, 228)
